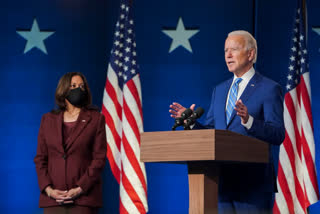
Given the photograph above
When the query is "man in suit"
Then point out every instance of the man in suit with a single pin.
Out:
(252, 105)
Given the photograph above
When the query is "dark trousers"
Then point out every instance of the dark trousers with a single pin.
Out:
(245, 202)
(70, 209)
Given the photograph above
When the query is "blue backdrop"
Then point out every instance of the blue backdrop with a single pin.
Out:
(82, 41)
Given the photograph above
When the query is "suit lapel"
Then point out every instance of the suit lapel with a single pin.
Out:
(225, 98)
(250, 88)
(83, 120)
(59, 121)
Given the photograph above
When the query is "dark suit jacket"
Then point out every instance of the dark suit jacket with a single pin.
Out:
(264, 100)
(82, 162)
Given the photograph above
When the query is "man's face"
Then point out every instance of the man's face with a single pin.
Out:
(238, 59)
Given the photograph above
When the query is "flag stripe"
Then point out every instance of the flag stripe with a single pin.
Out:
(122, 107)
(297, 177)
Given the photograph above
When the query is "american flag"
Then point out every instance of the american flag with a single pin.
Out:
(297, 178)
(123, 112)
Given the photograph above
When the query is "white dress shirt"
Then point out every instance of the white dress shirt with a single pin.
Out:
(242, 85)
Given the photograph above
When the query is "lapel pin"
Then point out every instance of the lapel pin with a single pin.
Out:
(83, 121)
(252, 85)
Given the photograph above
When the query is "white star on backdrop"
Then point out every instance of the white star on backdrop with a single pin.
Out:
(180, 36)
(316, 29)
(35, 37)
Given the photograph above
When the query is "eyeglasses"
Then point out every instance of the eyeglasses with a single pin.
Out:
(81, 86)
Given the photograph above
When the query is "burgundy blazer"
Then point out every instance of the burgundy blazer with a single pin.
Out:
(82, 162)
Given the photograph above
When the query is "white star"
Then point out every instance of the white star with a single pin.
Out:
(297, 20)
(123, 6)
(124, 77)
(289, 77)
(125, 68)
(133, 62)
(116, 33)
(127, 49)
(296, 30)
(291, 68)
(292, 58)
(301, 37)
(305, 51)
(316, 29)
(133, 71)
(129, 31)
(294, 49)
(121, 35)
(126, 59)
(288, 87)
(35, 38)
(302, 60)
(128, 40)
(116, 42)
(122, 26)
(295, 39)
(131, 22)
(122, 16)
(134, 53)
(180, 36)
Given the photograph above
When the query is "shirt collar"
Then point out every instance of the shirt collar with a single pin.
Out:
(246, 76)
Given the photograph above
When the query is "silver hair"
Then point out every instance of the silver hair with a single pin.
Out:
(251, 43)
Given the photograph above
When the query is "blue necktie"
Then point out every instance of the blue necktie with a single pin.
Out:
(232, 98)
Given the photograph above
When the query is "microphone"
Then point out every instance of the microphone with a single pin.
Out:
(179, 120)
(194, 116)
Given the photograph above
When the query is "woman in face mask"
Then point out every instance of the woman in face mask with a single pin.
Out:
(71, 150)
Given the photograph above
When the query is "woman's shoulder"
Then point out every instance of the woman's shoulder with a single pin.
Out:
(94, 112)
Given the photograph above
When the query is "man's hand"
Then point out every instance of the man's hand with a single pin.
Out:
(242, 111)
(176, 109)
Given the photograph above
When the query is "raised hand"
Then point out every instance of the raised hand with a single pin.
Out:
(176, 109)
(242, 111)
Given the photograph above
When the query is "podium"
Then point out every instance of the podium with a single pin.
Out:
(205, 151)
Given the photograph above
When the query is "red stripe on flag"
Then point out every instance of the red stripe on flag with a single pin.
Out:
(276, 209)
(113, 95)
(122, 209)
(132, 193)
(134, 91)
(306, 100)
(292, 112)
(309, 163)
(134, 163)
(112, 127)
(285, 189)
(289, 149)
(114, 167)
(131, 120)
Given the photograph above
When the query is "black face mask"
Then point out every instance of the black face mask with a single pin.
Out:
(77, 97)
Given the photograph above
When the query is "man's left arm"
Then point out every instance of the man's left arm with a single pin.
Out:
(271, 127)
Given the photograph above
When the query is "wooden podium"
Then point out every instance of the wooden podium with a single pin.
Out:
(205, 151)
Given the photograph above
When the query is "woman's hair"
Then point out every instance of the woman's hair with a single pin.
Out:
(63, 89)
